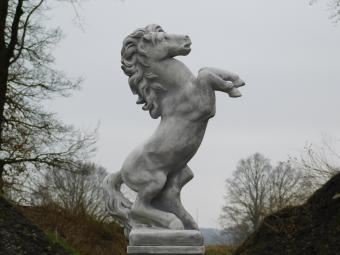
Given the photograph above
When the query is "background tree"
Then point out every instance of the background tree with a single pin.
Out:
(334, 8)
(31, 138)
(318, 163)
(246, 194)
(76, 190)
(255, 190)
(285, 187)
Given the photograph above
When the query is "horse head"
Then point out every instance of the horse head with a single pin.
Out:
(143, 47)
(161, 45)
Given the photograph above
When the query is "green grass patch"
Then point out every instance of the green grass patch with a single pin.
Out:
(58, 240)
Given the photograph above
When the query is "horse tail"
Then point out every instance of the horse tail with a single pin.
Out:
(116, 204)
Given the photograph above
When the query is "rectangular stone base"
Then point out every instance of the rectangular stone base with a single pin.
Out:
(165, 237)
(165, 242)
(162, 250)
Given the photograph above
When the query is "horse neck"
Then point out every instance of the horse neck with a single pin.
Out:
(175, 77)
(172, 72)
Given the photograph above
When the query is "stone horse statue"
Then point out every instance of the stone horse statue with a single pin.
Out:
(157, 169)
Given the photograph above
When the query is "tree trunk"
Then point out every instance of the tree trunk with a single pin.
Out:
(3, 77)
(6, 52)
(2, 183)
(3, 91)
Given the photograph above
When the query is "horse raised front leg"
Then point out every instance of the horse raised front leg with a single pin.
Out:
(169, 199)
(221, 80)
(143, 211)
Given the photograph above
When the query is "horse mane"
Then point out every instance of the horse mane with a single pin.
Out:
(134, 65)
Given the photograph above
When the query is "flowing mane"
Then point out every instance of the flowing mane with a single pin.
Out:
(134, 65)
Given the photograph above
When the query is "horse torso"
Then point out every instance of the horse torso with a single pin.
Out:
(185, 115)
(181, 131)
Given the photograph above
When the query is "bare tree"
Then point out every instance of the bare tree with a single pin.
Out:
(246, 193)
(32, 138)
(284, 187)
(334, 8)
(319, 163)
(76, 190)
(237, 233)
(255, 190)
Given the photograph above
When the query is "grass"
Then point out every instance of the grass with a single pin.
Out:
(218, 250)
(79, 234)
(58, 240)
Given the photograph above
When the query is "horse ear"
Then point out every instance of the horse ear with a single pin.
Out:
(146, 37)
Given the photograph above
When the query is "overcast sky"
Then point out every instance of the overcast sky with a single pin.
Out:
(287, 52)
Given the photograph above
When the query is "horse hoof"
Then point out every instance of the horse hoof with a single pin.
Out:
(239, 83)
(176, 224)
(234, 92)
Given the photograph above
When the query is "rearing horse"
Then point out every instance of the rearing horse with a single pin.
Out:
(157, 169)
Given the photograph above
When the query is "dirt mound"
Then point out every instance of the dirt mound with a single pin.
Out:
(312, 228)
(86, 235)
(19, 236)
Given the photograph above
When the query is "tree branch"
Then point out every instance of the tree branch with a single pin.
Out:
(15, 30)
(3, 16)
(24, 32)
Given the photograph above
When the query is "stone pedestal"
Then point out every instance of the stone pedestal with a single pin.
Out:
(154, 241)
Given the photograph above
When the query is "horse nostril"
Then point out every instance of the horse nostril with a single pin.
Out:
(187, 37)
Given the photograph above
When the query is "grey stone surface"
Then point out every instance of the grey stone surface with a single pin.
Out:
(165, 237)
(157, 169)
(166, 250)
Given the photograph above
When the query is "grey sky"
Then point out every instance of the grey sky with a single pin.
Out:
(287, 52)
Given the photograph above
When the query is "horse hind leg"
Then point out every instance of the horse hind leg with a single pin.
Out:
(169, 199)
(143, 211)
